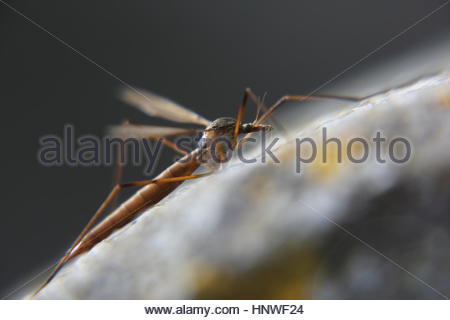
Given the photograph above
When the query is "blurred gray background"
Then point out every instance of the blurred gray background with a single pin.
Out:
(202, 54)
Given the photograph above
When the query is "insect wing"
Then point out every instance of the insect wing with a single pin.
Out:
(144, 131)
(158, 106)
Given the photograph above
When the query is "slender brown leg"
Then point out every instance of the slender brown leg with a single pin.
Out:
(268, 111)
(259, 103)
(284, 99)
(118, 170)
(315, 97)
(240, 115)
(118, 167)
(103, 206)
(172, 145)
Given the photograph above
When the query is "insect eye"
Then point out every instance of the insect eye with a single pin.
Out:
(246, 128)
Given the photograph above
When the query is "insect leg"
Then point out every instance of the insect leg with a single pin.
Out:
(286, 98)
(119, 166)
(103, 206)
(268, 111)
(240, 115)
(172, 145)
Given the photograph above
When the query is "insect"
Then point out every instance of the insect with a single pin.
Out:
(153, 191)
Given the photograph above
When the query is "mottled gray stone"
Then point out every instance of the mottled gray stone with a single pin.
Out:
(337, 230)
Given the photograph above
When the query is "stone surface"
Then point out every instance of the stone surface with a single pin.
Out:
(334, 230)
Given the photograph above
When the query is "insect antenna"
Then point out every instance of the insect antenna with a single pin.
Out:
(259, 106)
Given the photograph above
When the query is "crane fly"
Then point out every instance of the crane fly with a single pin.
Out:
(153, 191)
